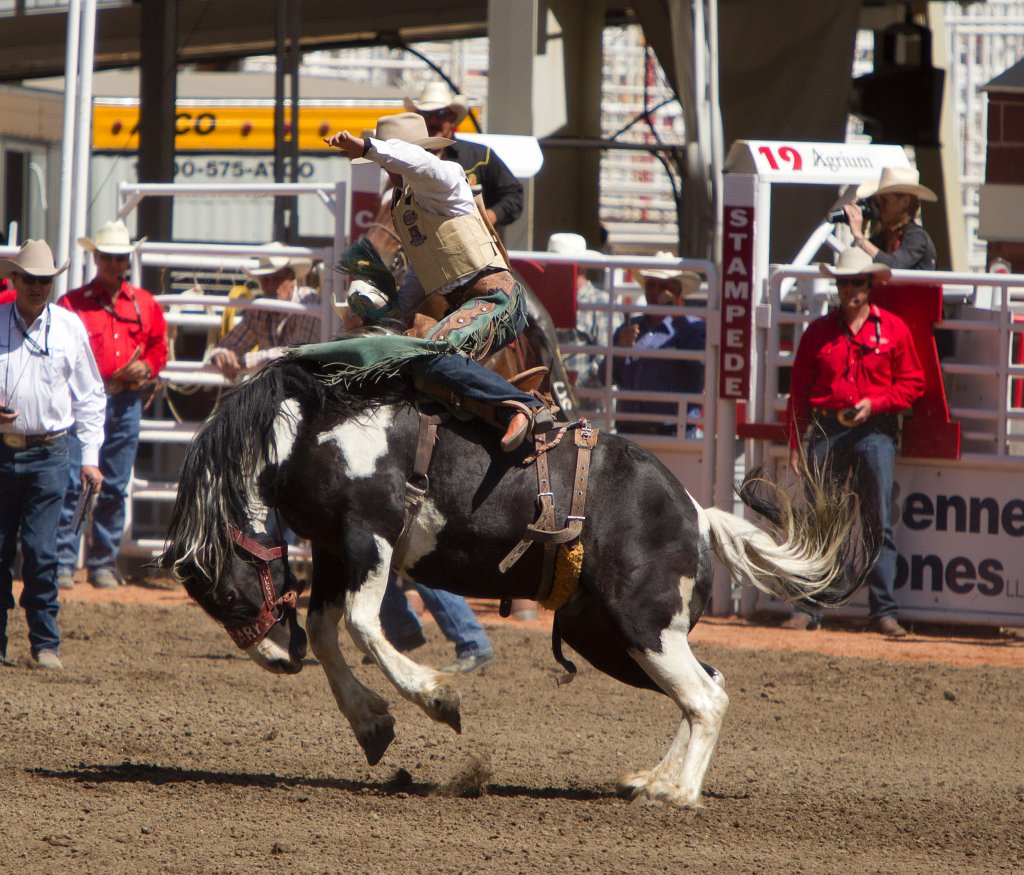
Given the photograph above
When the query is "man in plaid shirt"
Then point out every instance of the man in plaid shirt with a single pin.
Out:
(263, 335)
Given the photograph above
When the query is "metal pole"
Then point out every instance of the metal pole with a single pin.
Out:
(280, 26)
(67, 152)
(83, 143)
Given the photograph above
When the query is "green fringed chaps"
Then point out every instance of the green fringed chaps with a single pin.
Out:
(357, 361)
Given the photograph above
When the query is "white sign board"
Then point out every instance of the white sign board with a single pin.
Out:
(813, 163)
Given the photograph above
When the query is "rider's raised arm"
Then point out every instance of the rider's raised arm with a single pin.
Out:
(440, 186)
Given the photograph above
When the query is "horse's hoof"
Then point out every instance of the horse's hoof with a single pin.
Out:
(630, 785)
(443, 706)
(375, 742)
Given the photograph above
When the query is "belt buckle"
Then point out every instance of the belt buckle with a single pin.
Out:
(15, 441)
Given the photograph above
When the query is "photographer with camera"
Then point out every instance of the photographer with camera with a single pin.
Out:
(899, 242)
(855, 369)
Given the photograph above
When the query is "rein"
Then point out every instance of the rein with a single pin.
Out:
(248, 634)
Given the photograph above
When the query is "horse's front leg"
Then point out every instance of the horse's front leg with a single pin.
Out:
(366, 712)
(430, 690)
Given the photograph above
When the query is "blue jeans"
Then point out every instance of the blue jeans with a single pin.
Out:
(868, 454)
(454, 617)
(469, 378)
(117, 456)
(32, 484)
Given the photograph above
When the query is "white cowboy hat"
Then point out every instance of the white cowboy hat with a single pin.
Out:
(855, 262)
(35, 259)
(437, 95)
(688, 279)
(568, 243)
(898, 180)
(271, 264)
(112, 238)
(408, 127)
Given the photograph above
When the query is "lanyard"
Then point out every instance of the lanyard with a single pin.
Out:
(864, 348)
(109, 308)
(29, 339)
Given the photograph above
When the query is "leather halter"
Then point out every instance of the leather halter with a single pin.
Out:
(248, 634)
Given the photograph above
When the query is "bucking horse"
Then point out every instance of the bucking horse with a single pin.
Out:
(345, 469)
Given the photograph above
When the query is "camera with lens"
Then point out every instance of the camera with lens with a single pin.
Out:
(868, 206)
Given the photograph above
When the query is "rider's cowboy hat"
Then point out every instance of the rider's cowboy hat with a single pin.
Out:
(408, 127)
(898, 180)
(266, 265)
(112, 238)
(855, 262)
(437, 95)
(689, 280)
(34, 258)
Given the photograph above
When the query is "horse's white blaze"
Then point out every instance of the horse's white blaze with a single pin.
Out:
(423, 534)
(363, 441)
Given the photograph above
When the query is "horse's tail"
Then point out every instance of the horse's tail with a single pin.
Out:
(816, 547)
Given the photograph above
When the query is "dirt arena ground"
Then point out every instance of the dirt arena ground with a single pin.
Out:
(161, 749)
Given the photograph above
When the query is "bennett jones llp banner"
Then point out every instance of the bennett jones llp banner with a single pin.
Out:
(960, 539)
(737, 287)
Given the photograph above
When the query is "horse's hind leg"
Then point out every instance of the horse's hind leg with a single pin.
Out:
(366, 712)
(701, 697)
(428, 689)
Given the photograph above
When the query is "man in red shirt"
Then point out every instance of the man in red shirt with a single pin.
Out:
(128, 336)
(855, 370)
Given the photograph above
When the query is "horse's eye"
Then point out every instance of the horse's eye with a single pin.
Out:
(230, 598)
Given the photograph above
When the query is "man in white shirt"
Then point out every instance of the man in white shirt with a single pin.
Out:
(49, 382)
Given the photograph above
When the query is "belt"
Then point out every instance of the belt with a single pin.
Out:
(24, 441)
(826, 413)
(482, 285)
(115, 387)
(881, 420)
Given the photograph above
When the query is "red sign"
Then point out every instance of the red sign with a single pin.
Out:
(365, 205)
(737, 302)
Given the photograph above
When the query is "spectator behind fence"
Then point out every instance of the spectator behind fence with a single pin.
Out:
(645, 332)
(486, 172)
(855, 370)
(263, 335)
(899, 242)
(128, 337)
(50, 383)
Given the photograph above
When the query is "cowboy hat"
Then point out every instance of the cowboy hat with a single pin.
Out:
(898, 180)
(437, 95)
(855, 262)
(568, 243)
(34, 258)
(271, 264)
(112, 238)
(408, 127)
(688, 279)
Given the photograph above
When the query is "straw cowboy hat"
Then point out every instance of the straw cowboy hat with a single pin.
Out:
(34, 258)
(112, 238)
(898, 180)
(437, 95)
(408, 127)
(271, 264)
(688, 279)
(568, 243)
(855, 262)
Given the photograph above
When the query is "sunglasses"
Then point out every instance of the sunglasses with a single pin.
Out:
(30, 280)
(438, 114)
(856, 281)
(111, 256)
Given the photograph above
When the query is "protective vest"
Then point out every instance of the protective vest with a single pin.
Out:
(443, 250)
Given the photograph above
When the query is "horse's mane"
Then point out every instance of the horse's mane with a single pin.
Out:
(235, 442)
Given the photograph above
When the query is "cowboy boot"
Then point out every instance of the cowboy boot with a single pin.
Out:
(525, 420)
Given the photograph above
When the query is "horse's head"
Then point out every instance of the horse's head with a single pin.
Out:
(253, 598)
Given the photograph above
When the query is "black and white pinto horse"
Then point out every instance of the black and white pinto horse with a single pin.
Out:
(334, 465)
